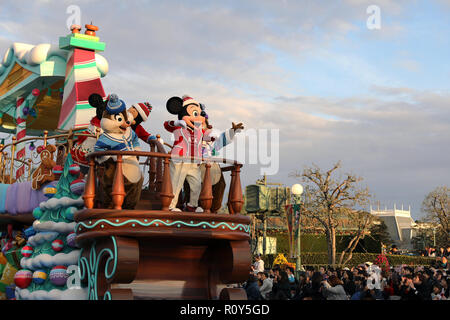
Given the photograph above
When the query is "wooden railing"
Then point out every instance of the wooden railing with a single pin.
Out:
(160, 180)
(7, 162)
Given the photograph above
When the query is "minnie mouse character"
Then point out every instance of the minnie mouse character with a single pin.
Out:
(189, 133)
(140, 112)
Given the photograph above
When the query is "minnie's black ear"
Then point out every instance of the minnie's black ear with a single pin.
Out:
(174, 105)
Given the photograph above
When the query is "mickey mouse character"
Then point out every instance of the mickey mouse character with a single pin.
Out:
(140, 112)
(210, 148)
(189, 133)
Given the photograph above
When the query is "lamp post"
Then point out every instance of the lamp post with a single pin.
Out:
(297, 190)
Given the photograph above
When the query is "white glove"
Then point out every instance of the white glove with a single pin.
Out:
(180, 123)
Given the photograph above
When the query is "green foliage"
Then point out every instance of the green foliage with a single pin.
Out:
(318, 243)
(380, 233)
(308, 242)
(366, 245)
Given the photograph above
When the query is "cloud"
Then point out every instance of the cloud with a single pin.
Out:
(409, 65)
(243, 60)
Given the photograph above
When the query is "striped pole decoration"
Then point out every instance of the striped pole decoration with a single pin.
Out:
(81, 80)
(21, 131)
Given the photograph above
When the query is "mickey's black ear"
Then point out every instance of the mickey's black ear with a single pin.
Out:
(174, 105)
(96, 100)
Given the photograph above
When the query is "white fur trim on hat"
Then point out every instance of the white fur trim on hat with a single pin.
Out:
(189, 100)
(140, 109)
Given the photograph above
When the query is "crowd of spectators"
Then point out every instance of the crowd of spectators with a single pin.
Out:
(362, 282)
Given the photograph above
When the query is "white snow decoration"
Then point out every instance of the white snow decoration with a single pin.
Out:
(48, 261)
(55, 203)
(42, 237)
(20, 50)
(54, 294)
(102, 65)
(34, 55)
(8, 57)
(60, 227)
(38, 54)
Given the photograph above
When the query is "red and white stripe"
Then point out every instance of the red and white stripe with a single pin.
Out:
(21, 131)
(80, 83)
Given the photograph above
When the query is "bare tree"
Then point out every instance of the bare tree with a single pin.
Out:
(437, 207)
(327, 199)
(362, 220)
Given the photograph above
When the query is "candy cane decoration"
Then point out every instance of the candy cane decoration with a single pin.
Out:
(81, 80)
(21, 131)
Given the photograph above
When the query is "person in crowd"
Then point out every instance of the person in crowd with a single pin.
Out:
(333, 289)
(398, 282)
(443, 262)
(436, 294)
(258, 265)
(432, 252)
(281, 288)
(302, 284)
(445, 284)
(266, 286)
(408, 291)
(322, 270)
(387, 285)
(349, 284)
(360, 288)
(293, 282)
(252, 289)
(313, 289)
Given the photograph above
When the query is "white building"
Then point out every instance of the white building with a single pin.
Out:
(399, 224)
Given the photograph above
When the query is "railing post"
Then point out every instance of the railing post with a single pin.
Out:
(206, 195)
(152, 170)
(118, 187)
(89, 190)
(159, 174)
(166, 194)
(29, 169)
(13, 150)
(45, 138)
(236, 192)
(1, 163)
(230, 191)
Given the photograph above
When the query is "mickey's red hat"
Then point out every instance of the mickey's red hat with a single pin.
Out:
(187, 100)
(144, 109)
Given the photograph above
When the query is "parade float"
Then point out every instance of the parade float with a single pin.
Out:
(54, 228)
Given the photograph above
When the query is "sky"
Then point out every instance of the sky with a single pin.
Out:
(376, 99)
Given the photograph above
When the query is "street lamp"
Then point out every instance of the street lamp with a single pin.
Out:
(297, 190)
